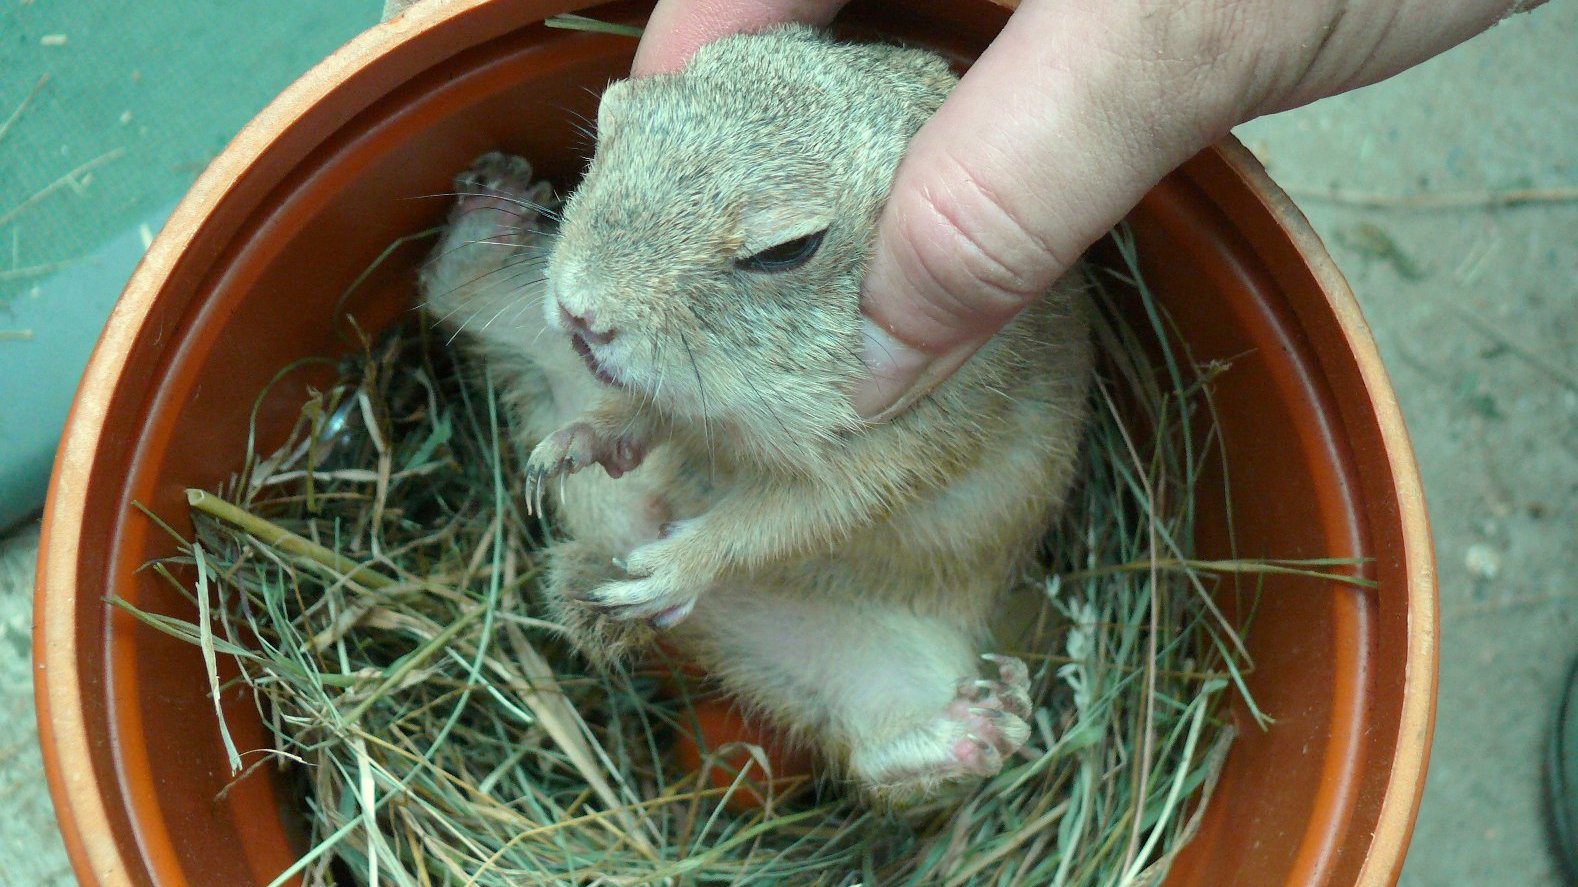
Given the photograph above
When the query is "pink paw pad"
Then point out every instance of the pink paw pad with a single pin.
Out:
(984, 723)
(993, 716)
(501, 184)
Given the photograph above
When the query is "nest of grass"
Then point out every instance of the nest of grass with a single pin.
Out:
(374, 577)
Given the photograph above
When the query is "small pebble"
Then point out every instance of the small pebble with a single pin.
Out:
(1483, 561)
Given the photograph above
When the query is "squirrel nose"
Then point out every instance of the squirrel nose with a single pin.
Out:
(582, 325)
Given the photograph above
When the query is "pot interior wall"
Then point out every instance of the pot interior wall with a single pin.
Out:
(261, 286)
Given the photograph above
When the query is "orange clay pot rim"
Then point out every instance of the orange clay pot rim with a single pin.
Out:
(1416, 722)
(70, 769)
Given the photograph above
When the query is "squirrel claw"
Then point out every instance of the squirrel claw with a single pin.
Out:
(571, 449)
(646, 599)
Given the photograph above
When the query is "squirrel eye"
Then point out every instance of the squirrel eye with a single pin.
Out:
(785, 256)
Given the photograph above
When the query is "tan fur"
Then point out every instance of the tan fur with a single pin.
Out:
(838, 577)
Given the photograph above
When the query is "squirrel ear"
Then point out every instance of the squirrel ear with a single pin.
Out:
(919, 68)
(610, 107)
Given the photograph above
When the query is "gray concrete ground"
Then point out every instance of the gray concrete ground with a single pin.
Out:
(30, 849)
(1475, 305)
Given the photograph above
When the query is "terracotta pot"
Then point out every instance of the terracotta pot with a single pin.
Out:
(245, 279)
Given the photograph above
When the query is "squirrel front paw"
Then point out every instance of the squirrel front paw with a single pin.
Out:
(573, 447)
(502, 183)
(662, 601)
(574, 567)
(660, 590)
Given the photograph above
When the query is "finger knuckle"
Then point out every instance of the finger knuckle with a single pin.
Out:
(980, 256)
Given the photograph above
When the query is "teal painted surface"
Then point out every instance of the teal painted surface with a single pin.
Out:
(124, 106)
(42, 360)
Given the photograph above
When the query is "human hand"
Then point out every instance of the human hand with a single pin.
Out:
(1075, 110)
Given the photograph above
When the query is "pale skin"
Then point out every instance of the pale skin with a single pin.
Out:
(1104, 97)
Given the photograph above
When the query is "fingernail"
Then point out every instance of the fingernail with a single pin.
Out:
(900, 373)
(894, 366)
